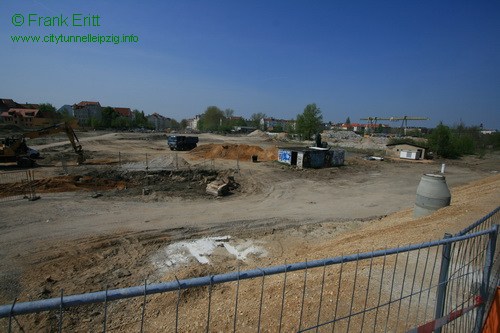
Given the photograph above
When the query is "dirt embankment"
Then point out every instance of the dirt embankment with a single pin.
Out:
(127, 258)
(241, 152)
(78, 243)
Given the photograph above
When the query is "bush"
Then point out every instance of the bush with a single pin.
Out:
(442, 142)
(410, 141)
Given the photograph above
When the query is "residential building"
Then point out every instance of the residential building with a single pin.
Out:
(27, 118)
(6, 104)
(159, 122)
(193, 122)
(85, 111)
(271, 123)
(29, 106)
(124, 112)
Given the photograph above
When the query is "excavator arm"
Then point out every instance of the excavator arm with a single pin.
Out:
(62, 127)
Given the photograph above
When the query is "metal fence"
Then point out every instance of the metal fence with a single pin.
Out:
(171, 161)
(17, 185)
(443, 285)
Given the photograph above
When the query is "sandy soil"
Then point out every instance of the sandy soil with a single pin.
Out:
(75, 240)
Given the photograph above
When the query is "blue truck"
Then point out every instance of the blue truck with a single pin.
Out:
(180, 142)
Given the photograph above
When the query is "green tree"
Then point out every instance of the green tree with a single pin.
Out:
(228, 113)
(441, 141)
(310, 121)
(468, 139)
(255, 119)
(140, 120)
(47, 110)
(211, 119)
(108, 117)
(174, 124)
(277, 129)
(183, 124)
(121, 123)
(289, 127)
(65, 115)
(228, 121)
(348, 124)
(94, 123)
(239, 122)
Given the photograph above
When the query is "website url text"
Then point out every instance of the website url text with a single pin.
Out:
(89, 38)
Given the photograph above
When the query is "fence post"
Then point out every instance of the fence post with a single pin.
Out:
(485, 285)
(64, 164)
(443, 280)
(31, 177)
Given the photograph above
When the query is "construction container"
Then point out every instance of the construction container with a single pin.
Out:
(410, 154)
(311, 157)
(285, 156)
(314, 159)
(334, 157)
(432, 194)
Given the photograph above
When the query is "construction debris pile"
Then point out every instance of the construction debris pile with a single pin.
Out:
(341, 135)
(112, 183)
(222, 186)
(349, 139)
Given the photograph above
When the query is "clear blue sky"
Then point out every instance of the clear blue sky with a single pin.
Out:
(437, 59)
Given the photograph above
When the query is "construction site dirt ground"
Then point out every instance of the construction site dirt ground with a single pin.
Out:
(106, 224)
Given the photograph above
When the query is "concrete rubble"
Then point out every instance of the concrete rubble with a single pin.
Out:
(221, 186)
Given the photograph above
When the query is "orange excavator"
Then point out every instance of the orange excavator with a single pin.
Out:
(15, 149)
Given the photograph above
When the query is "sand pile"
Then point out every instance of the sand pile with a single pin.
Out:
(258, 134)
(283, 136)
(234, 152)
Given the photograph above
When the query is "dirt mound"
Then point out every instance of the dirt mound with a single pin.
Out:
(64, 184)
(234, 152)
(116, 183)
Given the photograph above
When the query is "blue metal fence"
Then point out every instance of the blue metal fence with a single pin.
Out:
(439, 285)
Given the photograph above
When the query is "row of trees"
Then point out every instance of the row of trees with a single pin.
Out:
(443, 141)
(216, 120)
(111, 119)
(454, 142)
(461, 140)
(212, 120)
